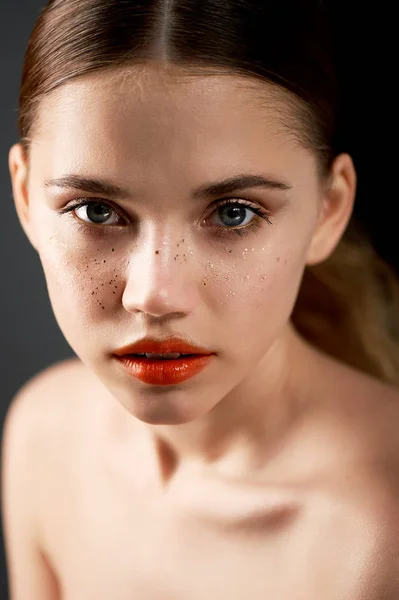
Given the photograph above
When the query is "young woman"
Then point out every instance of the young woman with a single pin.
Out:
(228, 428)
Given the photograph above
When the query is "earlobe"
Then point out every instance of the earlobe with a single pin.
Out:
(338, 201)
(18, 166)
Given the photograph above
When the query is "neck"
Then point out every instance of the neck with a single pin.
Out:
(235, 438)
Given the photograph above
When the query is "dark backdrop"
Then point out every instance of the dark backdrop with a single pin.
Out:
(30, 338)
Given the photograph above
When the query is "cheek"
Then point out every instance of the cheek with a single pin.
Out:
(257, 292)
(257, 277)
(82, 285)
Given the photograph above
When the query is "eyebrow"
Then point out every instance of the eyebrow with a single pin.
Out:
(227, 186)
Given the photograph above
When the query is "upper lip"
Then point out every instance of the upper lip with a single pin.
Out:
(173, 344)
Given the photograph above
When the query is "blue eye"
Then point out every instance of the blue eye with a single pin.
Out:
(99, 212)
(235, 211)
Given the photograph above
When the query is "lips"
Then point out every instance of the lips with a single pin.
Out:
(164, 372)
(157, 371)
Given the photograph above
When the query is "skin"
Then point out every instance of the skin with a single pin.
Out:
(253, 414)
(161, 136)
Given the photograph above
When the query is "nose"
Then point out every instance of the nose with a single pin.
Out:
(160, 280)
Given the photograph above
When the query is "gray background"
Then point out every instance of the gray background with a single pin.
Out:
(30, 338)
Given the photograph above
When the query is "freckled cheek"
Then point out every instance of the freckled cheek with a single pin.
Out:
(270, 283)
(79, 283)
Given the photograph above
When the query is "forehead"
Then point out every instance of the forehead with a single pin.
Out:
(158, 102)
(167, 125)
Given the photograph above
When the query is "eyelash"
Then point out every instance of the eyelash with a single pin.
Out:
(223, 231)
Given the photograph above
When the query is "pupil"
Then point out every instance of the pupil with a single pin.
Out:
(236, 212)
(96, 211)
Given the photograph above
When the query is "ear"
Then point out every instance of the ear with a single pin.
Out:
(337, 206)
(19, 170)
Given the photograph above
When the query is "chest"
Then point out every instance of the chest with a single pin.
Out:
(108, 539)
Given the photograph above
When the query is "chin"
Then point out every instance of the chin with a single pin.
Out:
(162, 416)
(158, 411)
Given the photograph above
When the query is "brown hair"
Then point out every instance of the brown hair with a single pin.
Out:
(347, 305)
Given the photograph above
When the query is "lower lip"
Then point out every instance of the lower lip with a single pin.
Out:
(165, 372)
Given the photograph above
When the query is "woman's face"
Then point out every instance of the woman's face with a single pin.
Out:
(160, 258)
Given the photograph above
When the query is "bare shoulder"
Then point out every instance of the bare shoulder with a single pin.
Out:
(39, 391)
(25, 452)
(370, 412)
(355, 393)
(61, 373)
(33, 404)
(24, 421)
(362, 413)
(43, 430)
(40, 385)
(378, 402)
(39, 415)
(58, 410)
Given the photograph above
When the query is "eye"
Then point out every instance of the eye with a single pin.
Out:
(98, 213)
(232, 213)
(95, 212)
